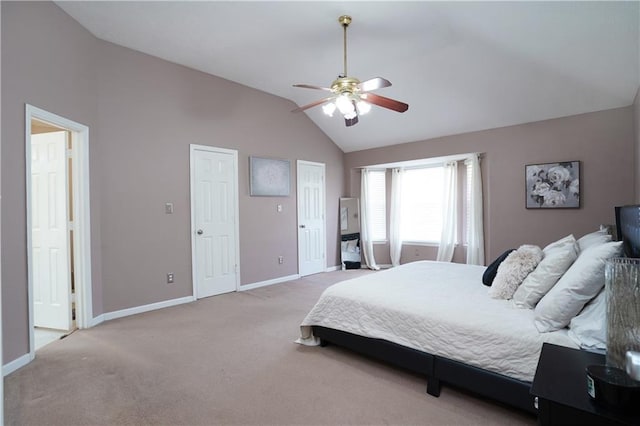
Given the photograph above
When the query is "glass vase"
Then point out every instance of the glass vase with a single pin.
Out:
(622, 287)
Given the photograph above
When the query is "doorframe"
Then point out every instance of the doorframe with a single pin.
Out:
(192, 180)
(324, 204)
(81, 216)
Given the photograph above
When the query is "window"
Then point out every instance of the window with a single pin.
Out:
(422, 204)
(378, 203)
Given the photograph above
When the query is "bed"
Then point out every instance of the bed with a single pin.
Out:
(433, 318)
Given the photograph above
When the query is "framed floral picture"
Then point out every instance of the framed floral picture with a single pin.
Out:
(553, 185)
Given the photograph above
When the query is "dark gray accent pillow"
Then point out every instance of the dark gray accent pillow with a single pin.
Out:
(492, 270)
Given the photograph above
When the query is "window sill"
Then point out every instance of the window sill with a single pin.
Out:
(428, 243)
(421, 243)
(418, 243)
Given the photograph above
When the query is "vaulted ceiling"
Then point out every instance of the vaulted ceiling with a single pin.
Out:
(461, 66)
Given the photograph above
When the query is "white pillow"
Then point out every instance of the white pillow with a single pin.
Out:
(593, 239)
(513, 270)
(558, 257)
(569, 239)
(589, 328)
(578, 285)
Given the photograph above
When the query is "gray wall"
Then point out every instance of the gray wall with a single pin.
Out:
(636, 146)
(147, 153)
(45, 62)
(143, 113)
(602, 141)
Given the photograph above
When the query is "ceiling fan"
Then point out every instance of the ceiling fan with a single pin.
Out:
(350, 96)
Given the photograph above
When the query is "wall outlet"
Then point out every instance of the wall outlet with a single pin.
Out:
(280, 260)
(168, 208)
(170, 278)
(279, 208)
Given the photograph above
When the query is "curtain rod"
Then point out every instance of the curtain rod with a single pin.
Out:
(422, 162)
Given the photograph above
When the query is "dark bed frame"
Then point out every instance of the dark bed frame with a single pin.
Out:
(437, 369)
(440, 370)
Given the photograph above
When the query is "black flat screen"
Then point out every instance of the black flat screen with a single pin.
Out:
(628, 229)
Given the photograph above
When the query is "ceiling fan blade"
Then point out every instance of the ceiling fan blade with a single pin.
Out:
(313, 104)
(311, 86)
(373, 84)
(351, 121)
(385, 102)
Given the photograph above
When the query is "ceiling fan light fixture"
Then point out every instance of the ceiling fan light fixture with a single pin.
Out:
(363, 107)
(345, 105)
(329, 109)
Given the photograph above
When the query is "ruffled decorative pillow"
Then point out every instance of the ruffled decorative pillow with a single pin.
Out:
(491, 271)
(513, 270)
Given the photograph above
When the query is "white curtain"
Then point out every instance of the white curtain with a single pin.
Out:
(475, 233)
(395, 239)
(449, 213)
(365, 241)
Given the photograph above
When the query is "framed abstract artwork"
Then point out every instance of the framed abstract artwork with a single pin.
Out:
(269, 177)
(553, 185)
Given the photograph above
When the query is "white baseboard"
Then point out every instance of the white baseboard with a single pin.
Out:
(334, 268)
(97, 320)
(12, 366)
(146, 308)
(268, 282)
(27, 358)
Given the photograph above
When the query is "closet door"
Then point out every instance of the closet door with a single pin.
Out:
(311, 218)
(214, 206)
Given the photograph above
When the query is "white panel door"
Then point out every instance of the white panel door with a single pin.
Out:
(311, 218)
(215, 219)
(49, 231)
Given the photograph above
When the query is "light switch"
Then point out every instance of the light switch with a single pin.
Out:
(168, 208)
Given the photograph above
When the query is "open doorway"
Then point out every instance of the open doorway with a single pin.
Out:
(58, 237)
(52, 256)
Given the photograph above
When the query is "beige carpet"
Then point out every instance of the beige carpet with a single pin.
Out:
(228, 359)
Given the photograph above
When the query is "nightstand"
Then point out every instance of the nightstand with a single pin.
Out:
(560, 386)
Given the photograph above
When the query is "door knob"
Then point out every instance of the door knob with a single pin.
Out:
(302, 226)
(199, 231)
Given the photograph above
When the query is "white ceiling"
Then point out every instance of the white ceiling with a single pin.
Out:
(461, 66)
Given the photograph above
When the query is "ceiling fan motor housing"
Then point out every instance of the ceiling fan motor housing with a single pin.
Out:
(345, 85)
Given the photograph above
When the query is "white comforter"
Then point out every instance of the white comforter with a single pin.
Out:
(439, 308)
